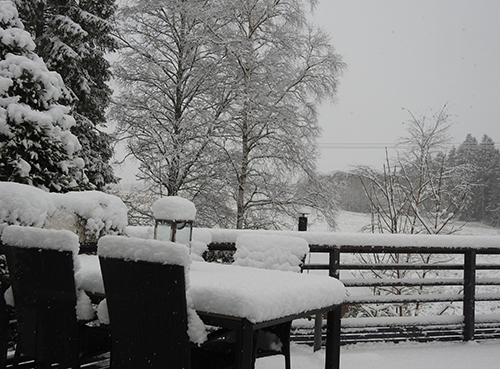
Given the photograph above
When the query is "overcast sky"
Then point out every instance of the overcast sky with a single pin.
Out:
(408, 54)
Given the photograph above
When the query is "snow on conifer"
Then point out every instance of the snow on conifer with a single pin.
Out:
(73, 38)
(36, 145)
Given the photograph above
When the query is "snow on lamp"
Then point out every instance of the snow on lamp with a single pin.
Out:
(174, 218)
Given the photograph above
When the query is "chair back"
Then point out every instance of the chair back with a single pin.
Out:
(44, 292)
(147, 312)
(4, 330)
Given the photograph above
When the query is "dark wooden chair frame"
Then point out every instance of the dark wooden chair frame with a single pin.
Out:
(45, 303)
(148, 318)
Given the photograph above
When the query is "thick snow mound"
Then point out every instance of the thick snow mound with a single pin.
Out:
(174, 208)
(52, 239)
(24, 205)
(101, 213)
(146, 250)
(270, 251)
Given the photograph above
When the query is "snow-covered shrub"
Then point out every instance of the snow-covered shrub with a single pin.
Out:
(89, 214)
(24, 205)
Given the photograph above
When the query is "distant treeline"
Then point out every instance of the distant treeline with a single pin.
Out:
(482, 162)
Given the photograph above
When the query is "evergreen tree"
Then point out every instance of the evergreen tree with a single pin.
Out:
(72, 36)
(483, 160)
(36, 145)
(490, 181)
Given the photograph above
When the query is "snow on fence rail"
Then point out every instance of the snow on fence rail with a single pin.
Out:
(446, 262)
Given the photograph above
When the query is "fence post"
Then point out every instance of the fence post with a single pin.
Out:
(318, 319)
(333, 271)
(334, 263)
(334, 317)
(469, 294)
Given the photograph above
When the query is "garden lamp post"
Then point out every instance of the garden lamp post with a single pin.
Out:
(174, 218)
(303, 219)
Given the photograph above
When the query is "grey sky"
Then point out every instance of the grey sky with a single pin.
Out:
(412, 54)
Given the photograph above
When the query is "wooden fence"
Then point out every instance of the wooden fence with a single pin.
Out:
(423, 270)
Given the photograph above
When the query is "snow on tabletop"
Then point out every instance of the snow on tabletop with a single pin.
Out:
(135, 249)
(60, 240)
(369, 239)
(24, 205)
(174, 208)
(259, 294)
(270, 251)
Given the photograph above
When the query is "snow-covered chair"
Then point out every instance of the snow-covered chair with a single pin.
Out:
(47, 304)
(275, 252)
(267, 251)
(152, 325)
(4, 329)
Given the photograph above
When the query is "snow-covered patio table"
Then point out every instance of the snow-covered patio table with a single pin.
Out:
(247, 299)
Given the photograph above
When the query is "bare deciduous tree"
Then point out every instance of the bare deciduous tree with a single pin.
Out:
(218, 103)
(171, 98)
(420, 194)
(282, 68)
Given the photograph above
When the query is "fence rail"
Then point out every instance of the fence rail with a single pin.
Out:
(460, 260)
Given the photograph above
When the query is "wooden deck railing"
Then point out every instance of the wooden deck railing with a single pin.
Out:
(459, 265)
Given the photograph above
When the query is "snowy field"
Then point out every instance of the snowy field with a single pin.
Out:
(350, 222)
(457, 355)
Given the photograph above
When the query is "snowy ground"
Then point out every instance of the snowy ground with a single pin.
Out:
(457, 355)
(354, 222)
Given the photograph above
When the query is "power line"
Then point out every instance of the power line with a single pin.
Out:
(376, 145)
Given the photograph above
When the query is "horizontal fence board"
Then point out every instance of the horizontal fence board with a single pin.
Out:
(417, 333)
(404, 266)
(391, 299)
(487, 297)
(403, 282)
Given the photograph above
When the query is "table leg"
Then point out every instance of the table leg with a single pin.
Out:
(244, 348)
(332, 356)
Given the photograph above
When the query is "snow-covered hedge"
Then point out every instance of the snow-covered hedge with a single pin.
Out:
(89, 214)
